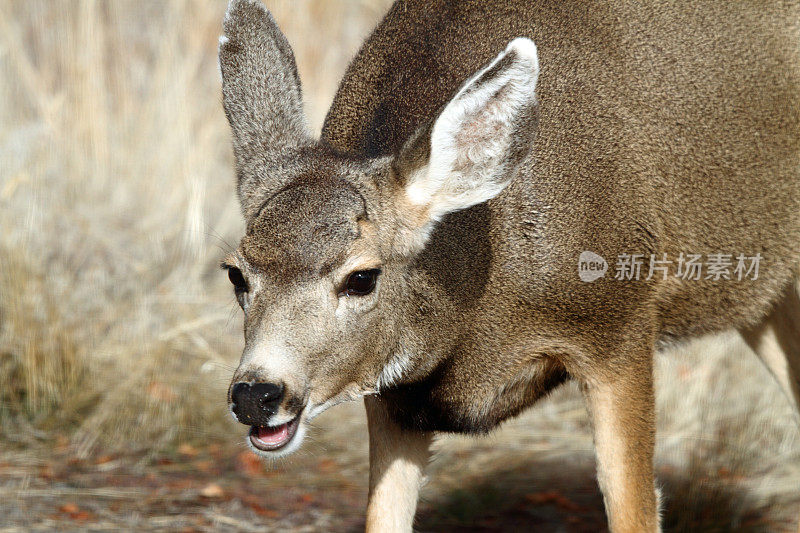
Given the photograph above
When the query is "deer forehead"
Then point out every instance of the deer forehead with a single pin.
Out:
(306, 229)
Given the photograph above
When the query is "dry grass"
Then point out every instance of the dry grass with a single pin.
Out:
(116, 203)
(118, 331)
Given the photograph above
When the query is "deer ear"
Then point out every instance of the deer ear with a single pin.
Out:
(260, 93)
(467, 154)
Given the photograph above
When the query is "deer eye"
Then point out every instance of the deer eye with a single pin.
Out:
(360, 282)
(237, 278)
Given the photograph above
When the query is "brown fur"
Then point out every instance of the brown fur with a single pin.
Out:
(661, 128)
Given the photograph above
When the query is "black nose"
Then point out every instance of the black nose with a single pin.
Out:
(254, 404)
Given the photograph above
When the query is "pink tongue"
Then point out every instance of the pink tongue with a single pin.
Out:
(273, 435)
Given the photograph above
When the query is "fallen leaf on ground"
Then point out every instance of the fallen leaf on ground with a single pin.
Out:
(74, 512)
(69, 508)
(553, 497)
(187, 449)
(259, 509)
(212, 490)
(249, 463)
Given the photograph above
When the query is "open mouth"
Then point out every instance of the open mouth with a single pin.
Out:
(271, 438)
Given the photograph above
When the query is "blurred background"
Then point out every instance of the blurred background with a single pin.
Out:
(118, 332)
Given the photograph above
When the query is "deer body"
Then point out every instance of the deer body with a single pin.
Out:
(655, 129)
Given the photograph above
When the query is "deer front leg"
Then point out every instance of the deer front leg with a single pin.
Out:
(397, 460)
(622, 408)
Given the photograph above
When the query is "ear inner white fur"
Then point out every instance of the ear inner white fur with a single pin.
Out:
(471, 138)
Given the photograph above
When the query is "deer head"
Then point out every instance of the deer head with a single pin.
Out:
(323, 272)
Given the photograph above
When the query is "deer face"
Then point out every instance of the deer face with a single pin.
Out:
(322, 271)
(310, 275)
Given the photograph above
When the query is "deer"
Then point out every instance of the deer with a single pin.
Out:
(422, 253)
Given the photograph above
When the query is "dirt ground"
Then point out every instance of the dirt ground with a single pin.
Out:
(734, 466)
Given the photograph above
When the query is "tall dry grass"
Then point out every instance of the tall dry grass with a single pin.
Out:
(116, 205)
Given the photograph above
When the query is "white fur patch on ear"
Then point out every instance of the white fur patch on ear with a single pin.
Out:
(472, 137)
